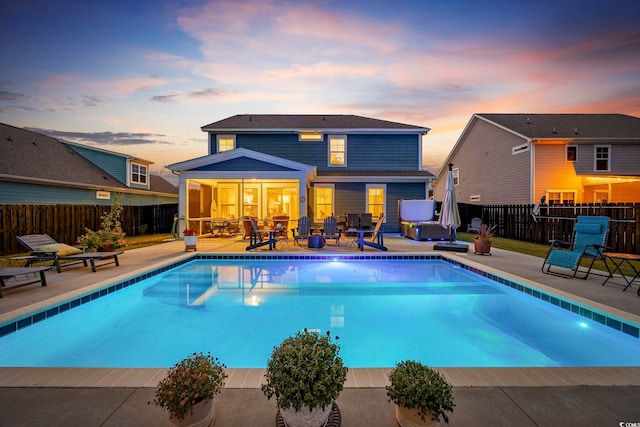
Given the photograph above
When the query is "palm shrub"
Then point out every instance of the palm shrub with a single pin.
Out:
(417, 386)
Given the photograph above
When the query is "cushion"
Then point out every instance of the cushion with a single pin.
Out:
(60, 248)
(588, 228)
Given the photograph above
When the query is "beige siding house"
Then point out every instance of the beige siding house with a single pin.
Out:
(568, 158)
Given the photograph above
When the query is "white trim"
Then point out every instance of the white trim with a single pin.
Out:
(475, 198)
(315, 204)
(229, 136)
(595, 158)
(384, 201)
(566, 153)
(523, 148)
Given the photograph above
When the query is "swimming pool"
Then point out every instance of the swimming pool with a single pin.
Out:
(384, 310)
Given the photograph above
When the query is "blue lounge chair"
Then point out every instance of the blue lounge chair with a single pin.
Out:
(589, 240)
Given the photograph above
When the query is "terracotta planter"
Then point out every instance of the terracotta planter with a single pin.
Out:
(408, 417)
(482, 246)
(190, 243)
(107, 247)
(305, 418)
(202, 416)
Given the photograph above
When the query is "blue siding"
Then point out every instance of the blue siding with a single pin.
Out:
(115, 165)
(23, 193)
(395, 152)
(242, 164)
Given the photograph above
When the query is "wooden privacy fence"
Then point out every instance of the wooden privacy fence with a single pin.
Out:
(65, 223)
(557, 222)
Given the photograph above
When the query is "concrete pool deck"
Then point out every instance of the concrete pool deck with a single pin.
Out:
(535, 396)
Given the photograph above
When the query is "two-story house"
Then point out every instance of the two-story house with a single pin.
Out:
(295, 165)
(41, 170)
(568, 158)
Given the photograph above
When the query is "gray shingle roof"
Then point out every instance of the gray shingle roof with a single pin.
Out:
(306, 121)
(569, 125)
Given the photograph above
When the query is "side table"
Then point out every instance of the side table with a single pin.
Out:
(618, 260)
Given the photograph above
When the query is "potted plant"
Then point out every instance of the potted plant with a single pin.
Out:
(110, 236)
(190, 239)
(421, 394)
(305, 374)
(187, 390)
(482, 241)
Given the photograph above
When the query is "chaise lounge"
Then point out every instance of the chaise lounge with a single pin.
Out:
(7, 273)
(43, 247)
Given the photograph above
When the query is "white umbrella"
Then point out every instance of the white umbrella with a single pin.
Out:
(449, 214)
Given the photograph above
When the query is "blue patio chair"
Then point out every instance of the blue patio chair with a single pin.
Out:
(303, 231)
(330, 231)
(589, 240)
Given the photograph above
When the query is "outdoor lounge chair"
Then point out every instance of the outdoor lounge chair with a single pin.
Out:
(475, 225)
(589, 240)
(256, 240)
(43, 247)
(303, 230)
(377, 239)
(7, 273)
(330, 231)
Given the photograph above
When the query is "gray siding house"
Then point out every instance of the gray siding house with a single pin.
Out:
(568, 158)
(295, 165)
(38, 169)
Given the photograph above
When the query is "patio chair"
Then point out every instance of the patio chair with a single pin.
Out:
(589, 239)
(7, 273)
(366, 221)
(475, 225)
(377, 239)
(256, 240)
(303, 230)
(330, 231)
(44, 248)
(353, 220)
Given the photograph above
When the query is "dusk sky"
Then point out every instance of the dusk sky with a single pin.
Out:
(141, 77)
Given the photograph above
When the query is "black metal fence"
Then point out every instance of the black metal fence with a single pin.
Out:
(65, 223)
(556, 222)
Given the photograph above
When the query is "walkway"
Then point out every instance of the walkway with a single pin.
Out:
(483, 397)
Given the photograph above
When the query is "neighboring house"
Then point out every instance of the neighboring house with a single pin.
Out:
(38, 169)
(313, 165)
(568, 158)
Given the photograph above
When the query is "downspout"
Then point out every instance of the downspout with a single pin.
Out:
(532, 172)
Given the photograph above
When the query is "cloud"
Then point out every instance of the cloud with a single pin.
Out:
(104, 138)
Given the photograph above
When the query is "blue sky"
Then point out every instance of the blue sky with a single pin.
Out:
(142, 77)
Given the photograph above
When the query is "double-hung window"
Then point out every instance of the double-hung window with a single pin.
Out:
(602, 158)
(138, 173)
(323, 203)
(337, 150)
(376, 199)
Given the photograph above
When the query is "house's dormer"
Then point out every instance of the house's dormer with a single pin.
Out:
(131, 171)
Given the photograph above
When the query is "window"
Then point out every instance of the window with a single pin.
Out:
(561, 198)
(138, 173)
(571, 153)
(376, 199)
(337, 151)
(323, 203)
(310, 136)
(226, 143)
(456, 176)
(602, 162)
(520, 149)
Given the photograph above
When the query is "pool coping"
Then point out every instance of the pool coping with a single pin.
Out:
(358, 377)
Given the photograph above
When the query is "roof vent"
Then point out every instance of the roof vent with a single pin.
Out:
(528, 121)
(250, 118)
(575, 131)
(9, 138)
(554, 130)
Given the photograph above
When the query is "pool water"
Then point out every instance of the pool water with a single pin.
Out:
(383, 311)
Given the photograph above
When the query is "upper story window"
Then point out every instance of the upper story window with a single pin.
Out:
(139, 173)
(456, 176)
(310, 136)
(226, 142)
(571, 153)
(338, 150)
(602, 161)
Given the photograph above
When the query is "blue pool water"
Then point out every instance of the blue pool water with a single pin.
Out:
(383, 311)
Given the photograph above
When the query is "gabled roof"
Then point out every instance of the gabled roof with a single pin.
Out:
(554, 126)
(309, 122)
(33, 157)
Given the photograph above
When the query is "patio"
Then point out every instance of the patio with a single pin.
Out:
(536, 396)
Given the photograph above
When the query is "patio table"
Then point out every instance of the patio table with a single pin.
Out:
(618, 260)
